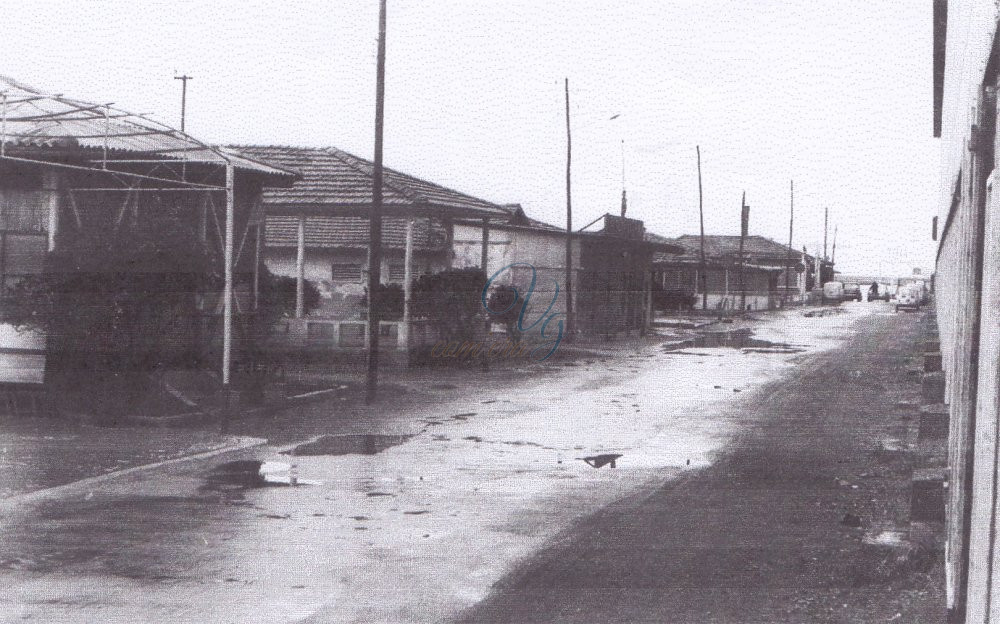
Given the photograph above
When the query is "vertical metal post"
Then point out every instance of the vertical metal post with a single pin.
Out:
(744, 232)
(107, 131)
(3, 128)
(300, 269)
(701, 218)
(407, 282)
(569, 225)
(256, 265)
(485, 264)
(788, 257)
(375, 218)
(227, 294)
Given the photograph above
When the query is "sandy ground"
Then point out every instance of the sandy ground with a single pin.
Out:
(417, 532)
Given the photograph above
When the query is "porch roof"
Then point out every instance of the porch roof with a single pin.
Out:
(43, 126)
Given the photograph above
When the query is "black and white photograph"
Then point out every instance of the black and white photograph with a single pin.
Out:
(508, 312)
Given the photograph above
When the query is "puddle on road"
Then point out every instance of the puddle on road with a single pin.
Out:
(360, 444)
(736, 339)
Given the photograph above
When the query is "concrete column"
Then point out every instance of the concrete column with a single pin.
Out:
(50, 182)
(403, 341)
(300, 270)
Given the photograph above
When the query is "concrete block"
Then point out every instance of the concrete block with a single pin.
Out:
(934, 422)
(932, 361)
(927, 494)
(932, 387)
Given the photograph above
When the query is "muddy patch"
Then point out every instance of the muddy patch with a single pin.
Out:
(358, 444)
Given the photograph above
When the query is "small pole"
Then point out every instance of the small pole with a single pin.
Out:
(744, 227)
(701, 217)
(569, 225)
(624, 202)
(300, 268)
(826, 219)
(833, 256)
(3, 128)
(788, 258)
(408, 284)
(375, 218)
(485, 257)
(257, 243)
(184, 91)
(227, 294)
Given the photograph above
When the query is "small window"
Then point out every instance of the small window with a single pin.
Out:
(346, 272)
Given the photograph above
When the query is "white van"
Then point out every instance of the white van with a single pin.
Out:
(833, 292)
(908, 297)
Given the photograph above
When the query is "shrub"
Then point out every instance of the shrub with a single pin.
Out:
(503, 308)
(388, 302)
(451, 300)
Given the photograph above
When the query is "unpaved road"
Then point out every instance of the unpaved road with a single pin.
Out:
(421, 526)
(757, 536)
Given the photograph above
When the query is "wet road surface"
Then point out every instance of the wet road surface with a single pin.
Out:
(417, 518)
(768, 533)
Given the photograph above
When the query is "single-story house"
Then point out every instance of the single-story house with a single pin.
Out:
(317, 231)
(772, 273)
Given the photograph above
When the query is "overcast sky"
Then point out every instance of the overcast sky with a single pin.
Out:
(835, 95)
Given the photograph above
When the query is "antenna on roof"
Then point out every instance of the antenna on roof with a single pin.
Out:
(184, 91)
(624, 201)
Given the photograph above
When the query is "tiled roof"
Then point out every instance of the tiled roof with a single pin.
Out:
(38, 120)
(332, 178)
(352, 233)
(754, 246)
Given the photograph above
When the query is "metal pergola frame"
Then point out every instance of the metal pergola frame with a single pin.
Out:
(49, 116)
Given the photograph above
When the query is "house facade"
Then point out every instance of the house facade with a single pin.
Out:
(611, 269)
(772, 274)
(317, 231)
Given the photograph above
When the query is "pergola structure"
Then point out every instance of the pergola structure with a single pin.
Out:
(84, 147)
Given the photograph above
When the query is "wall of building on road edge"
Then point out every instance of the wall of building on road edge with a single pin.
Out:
(970, 357)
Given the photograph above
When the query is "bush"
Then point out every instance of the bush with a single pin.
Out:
(503, 308)
(451, 300)
(674, 299)
(388, 302)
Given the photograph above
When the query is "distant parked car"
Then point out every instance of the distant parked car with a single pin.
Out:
(908, 297)
(852, 292)
(833, 292)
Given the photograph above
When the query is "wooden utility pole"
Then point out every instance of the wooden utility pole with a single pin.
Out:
(701, 217)
(624, 201)
(788, 259)
(744, 232)
(569, 225)
(833, 256)
(826, 218)
(184, 92)
(375, 218)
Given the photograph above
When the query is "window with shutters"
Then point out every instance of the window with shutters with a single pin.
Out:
(21, 255)
(346, 272)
